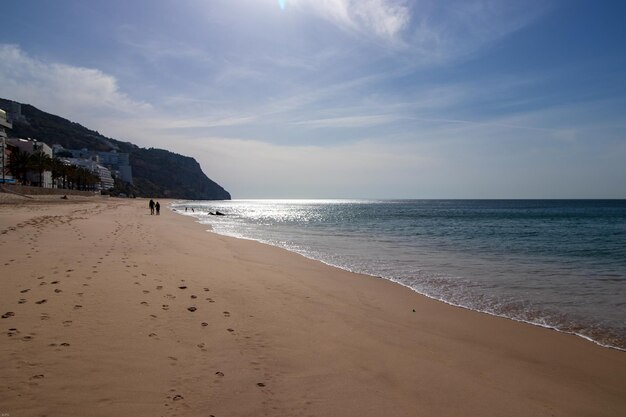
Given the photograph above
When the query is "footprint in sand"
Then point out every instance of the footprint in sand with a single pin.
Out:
(8, 314)
(260, 384)
(204, 324)
(25, 291)
(183, 287)
(159, 287)
(21, 301)
(226, 314)
(144, 303)
(210, 300)
(206, 289)
(165, 307)
(146, 292)
(231, 330)
(12, 332)
(77, 306)
(57, 290)
(193, 297)
(41, 301)
(67, 323)
(219, 373)
(192, 309)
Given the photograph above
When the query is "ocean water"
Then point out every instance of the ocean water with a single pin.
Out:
(554, 263)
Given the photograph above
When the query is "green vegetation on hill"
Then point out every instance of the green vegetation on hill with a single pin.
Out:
(156, 172)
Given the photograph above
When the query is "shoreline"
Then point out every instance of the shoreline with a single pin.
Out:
(270, 332)
(196, 217)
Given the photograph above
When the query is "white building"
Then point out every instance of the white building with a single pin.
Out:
(106, 180)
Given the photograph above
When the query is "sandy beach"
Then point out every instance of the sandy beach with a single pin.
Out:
(109, 311)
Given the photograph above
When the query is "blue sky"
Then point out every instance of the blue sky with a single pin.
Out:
(342, 98)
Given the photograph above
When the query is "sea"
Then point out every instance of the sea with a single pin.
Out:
(559, 264)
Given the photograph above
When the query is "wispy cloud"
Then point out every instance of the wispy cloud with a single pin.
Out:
(60, 88)
(381, 18)
(427, 32)
(349, 122)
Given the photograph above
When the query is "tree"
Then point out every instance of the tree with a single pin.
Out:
(59, 170)
(72, 177)
(40, 162)
(80, 178)
(18, 165)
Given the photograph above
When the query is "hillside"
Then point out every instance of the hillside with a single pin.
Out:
(156, 172)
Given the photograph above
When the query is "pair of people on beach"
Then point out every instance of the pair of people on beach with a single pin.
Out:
(154, 206)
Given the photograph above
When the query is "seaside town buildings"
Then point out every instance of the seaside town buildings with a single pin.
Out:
(104, 165)
(106, 180)
(117, 163)
(6, 153)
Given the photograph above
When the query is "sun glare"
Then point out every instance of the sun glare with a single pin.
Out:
(281, 3)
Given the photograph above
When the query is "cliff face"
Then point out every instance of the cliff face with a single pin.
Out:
(156, 172)
(162, 173)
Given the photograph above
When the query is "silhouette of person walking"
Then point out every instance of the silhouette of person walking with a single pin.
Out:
(157, 206)
(151, 205)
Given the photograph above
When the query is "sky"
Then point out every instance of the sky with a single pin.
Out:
(342, 98)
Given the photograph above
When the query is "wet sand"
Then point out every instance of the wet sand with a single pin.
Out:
(108, 310)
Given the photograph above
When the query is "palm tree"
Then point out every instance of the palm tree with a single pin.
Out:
(72, 177)
(59, 170)
(18, 164)
(78, 177)
(40, 162)
(92, 179)
(66, 170)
